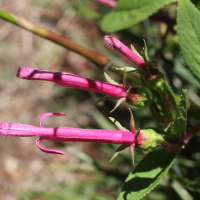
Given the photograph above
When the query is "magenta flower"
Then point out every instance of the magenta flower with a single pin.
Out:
(63, 134)
(109, 3)
(66, 134)
(125, 51)
(71, 80)
(133, 96)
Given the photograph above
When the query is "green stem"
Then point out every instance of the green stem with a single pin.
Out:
(97, 59)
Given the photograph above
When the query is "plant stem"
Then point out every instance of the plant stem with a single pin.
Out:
(99, 60)
(191, 132)
(158, 115)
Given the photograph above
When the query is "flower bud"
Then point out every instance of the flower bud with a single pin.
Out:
(149, 139)
(137, 97)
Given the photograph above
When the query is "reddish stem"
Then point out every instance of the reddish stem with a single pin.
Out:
(190, 132)
(166, 145)
(158, 115)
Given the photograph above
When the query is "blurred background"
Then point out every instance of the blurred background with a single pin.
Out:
(85, 173)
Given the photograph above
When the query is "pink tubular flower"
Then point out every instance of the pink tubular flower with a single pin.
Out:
(109, 3)
(133, 96)
(145, 139)
(73, 81)
(62, 134)
(125, 51)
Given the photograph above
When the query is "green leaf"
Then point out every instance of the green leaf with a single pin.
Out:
(129, 12)
(179, 125)
(188, 18)
(186, 74)
(147, 174)
(196, 3)
(181, 191)
(185, 181)
(89, 13)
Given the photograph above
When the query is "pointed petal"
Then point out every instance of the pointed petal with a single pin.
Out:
(118, 151)
(119, 126)
(105, 98)
(48, 150)
(131, 150)
(110, 80)
(49, 114)
(118, 103)
(132, 122)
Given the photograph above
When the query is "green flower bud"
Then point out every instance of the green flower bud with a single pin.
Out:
(149, 139)
(156, 82)
(137, 97)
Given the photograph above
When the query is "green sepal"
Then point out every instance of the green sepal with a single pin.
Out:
(110, 80)
(135, 51)
(119, 126)
(104, 98)
(140, 99)
(156, 82)
(127, 69)
(179, 125)
(148, 64)
(118, 151)
(131, 150)
(118, 103)
(128, 91)
(132, 121)
(158, 99)
(159, 85)
(125, 79)
(172, 99)
(153, 139)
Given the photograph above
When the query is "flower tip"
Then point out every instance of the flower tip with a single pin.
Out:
(25, 72)
(48, 150)
(112, 42)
